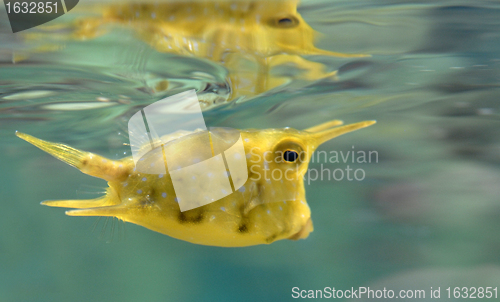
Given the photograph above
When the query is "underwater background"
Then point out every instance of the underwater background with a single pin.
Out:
(426, 214)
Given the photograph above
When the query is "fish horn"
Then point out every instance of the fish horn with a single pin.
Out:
(324, 126)
(328, 134)
(86, 162)
(317, 51)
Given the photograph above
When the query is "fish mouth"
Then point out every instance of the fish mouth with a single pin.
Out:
(304, 231)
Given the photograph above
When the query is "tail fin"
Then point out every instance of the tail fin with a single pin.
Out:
(86, 162)
(80, 204)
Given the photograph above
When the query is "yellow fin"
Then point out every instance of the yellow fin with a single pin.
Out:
(79, 204)
(109, 211)
(86, 162)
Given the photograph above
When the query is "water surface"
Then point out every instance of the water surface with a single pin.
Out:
(426, 214)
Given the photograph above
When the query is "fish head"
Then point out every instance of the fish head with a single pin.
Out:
(279, 28)
(278, 159)
(286, 28)
(268, 28)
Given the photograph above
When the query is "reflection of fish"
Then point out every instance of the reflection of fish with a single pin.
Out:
(261, 211)
(250, 38)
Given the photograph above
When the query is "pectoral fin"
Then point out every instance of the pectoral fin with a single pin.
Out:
(111, 211)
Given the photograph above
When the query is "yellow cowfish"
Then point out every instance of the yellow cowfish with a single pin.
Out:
(252, 39)
(261, 211)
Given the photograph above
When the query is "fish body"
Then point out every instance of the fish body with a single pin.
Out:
(264, 209)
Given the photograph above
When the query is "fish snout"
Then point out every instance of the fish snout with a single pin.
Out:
(304, 231)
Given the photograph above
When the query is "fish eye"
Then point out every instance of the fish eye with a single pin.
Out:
(289, 151)
(284, 22)
(290, 156)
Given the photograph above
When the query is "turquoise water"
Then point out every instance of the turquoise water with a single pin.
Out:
(425, 215)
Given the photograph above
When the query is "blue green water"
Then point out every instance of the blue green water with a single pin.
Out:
(427, 214)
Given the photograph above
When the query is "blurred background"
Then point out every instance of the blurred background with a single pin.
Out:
(426, 214)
